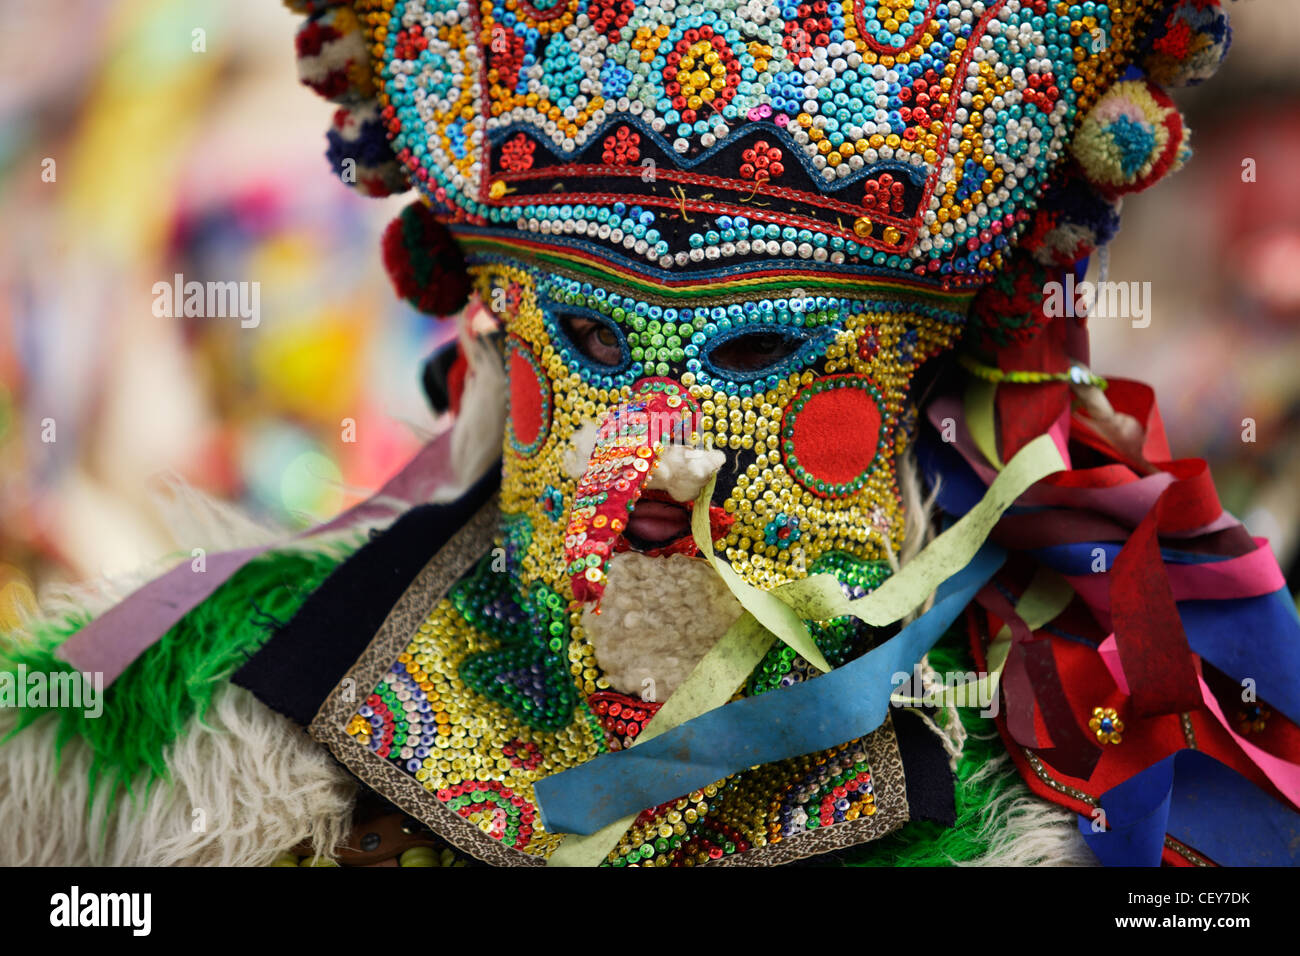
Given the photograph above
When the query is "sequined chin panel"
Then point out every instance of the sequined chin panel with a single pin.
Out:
(471, 703)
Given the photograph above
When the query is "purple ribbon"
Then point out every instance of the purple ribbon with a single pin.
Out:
(111, 642)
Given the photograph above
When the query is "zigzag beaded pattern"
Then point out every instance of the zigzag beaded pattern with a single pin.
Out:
(911, 135)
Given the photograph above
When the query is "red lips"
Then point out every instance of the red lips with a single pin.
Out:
(659, 525)
(658, 522)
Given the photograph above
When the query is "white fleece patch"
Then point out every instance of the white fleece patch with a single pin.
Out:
(1022, 828)
(244, 785)
(683, 470)
(657, 619)
(478, 429)
(581, 444)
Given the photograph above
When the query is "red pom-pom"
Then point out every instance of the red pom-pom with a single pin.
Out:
(424, 262)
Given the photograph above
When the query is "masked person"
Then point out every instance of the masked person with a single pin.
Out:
(774, 315)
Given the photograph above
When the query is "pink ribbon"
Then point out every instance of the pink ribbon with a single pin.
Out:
(1249, 575)
(1128, 500)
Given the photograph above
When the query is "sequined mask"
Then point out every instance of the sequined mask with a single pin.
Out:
(622, 406)
(776, 213)
(719, 239)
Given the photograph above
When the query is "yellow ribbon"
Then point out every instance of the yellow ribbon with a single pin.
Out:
(1042, 602)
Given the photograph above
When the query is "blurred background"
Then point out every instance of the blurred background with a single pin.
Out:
(164, 160)
(209, 164)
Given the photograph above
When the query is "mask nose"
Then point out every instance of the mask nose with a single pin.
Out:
(630, 441)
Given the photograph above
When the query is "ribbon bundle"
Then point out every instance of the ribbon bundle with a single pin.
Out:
(1138, 550)
(1164, 582)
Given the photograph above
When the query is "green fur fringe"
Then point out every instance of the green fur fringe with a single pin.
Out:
(923, 843)
(153, 700)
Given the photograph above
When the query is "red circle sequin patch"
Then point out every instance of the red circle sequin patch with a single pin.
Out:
(530, 399)
(832, 434)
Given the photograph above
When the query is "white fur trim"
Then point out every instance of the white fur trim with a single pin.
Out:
(479, 426)
(1027, 830)
(917, 509)
(262, 786)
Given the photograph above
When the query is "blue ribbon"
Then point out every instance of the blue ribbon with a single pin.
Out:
(849, 702)
(1255, 637)
(958, 488)
(1078, 557)
(1203, 803)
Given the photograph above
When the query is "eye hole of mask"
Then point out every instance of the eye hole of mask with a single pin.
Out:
(754, 351)
(596, 340)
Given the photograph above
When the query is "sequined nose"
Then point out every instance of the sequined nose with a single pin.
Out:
(629, 443)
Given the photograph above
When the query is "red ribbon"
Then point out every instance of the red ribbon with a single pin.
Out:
(1148, 631)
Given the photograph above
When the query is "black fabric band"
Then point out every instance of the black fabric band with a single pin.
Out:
(930, 784)
(294, 671)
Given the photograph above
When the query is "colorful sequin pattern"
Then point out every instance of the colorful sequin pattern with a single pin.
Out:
(810, 440)
(480, 759)
(908, 135)
(502, 685)
(760, 216)
(482, 703)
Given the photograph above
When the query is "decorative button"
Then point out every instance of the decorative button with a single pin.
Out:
(1107, 725)
(1252, 718)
